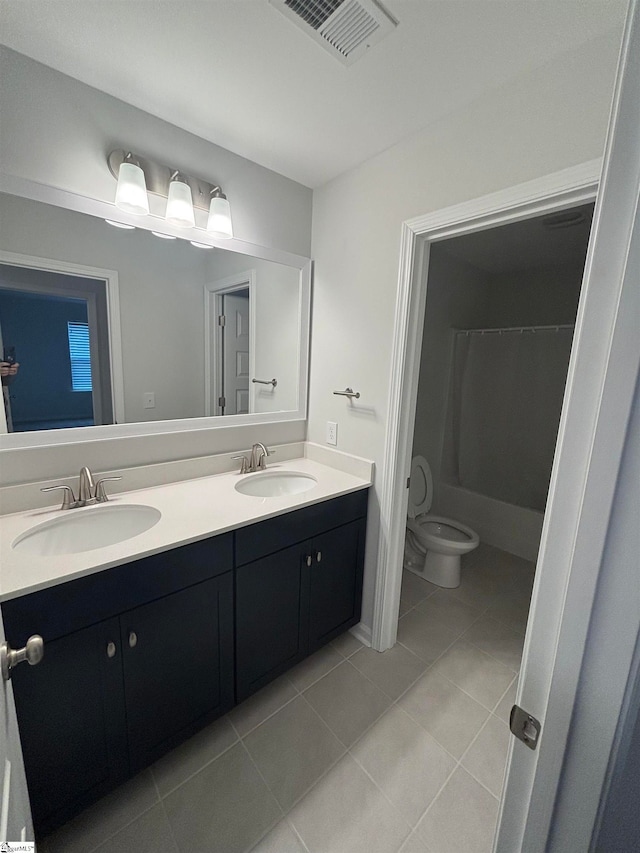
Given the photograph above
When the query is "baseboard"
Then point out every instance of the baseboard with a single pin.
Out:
(362, 632)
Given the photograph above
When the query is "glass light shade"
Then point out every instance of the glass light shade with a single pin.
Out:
(219, 222)
(120, 225)
(200, 245)
(163, 236)
(180, 205)
(131, 192)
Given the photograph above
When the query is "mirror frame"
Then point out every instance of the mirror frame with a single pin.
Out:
(33, 191)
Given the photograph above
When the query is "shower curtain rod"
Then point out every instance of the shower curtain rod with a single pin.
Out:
(514, 329)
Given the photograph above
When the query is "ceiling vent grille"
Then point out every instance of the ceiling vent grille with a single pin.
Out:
(344, 28)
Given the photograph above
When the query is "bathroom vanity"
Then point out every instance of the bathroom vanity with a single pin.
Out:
(140, 655)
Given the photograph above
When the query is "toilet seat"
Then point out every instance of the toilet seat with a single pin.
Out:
(433, 532)
(420, 488)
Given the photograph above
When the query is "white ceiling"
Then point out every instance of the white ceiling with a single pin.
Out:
(239, 74)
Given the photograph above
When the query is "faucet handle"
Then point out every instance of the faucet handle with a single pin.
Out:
(244, 465)
(101, 495)
(68, 501)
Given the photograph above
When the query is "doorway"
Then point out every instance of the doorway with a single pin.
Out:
(230, 345)
(500, 312)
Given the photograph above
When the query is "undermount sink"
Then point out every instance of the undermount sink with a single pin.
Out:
(87, 530)
(273, 484)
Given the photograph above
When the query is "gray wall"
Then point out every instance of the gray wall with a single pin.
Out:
(58, 131)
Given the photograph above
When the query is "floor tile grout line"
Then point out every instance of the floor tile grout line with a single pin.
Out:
(200, 769)
(320, 677)
(437, 794)
(324, 722)
(515, 678)
(287, 812)
(124, 826)
(493, 657)
(170, 825)
(275, 799)
(296, 833)
(477, 701)
(268, 717)
(395, 808)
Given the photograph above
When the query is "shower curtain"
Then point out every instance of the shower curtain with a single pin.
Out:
(508, 388)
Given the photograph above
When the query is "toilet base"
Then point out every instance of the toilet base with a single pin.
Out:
(440, 569)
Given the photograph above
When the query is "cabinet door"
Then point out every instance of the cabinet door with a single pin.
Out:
(71, 720)
(178, 666)
(270, 633)
(335, 582)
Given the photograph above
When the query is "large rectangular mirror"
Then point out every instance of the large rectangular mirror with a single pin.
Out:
(101, 325)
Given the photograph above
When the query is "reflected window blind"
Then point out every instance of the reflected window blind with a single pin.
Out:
(80, 356)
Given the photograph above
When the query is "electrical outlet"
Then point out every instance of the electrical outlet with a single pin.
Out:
(332, 433)
(149, 400)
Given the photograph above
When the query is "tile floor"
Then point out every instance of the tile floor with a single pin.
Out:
(401, 752)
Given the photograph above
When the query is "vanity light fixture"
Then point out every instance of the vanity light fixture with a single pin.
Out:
(163, 236)
(137, 176)
(120, 225)
(219, 222)
(180, 203)
(131, 192)
(200, 245)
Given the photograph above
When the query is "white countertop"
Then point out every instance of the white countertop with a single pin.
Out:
(191, 510)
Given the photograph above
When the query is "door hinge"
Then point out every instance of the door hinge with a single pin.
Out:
(525, 727)
(408, 482)
(222, 320)
(222, 402)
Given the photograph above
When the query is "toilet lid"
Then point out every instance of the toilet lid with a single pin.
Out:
(420, 487)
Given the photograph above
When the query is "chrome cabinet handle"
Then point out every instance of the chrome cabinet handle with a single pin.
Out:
(318, 556)
(33, 653)
(111, 650)
(309, 560)
(133, 639)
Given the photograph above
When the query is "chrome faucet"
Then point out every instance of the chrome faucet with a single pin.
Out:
(86, 488)
(89, 492)
(256, 460)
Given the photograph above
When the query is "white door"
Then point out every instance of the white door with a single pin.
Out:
(600, 387)
(235, 353)
(15, 813)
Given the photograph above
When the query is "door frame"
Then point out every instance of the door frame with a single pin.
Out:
(567, 188)
(112, 296)
(213, 293)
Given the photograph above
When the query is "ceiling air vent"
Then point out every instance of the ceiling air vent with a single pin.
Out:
(344, 28)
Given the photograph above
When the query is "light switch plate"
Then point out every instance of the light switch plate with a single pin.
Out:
(332, 433)
(149, 400)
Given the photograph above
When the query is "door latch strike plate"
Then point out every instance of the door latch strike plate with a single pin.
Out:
(525, 727)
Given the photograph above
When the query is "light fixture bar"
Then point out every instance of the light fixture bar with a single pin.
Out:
(158, 177)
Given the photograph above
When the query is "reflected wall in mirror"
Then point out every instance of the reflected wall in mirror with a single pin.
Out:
(121, 326)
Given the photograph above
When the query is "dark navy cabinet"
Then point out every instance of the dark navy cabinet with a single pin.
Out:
(139, 657)
(72, 723)
(292, 600)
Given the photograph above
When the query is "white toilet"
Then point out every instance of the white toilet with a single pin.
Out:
(433, 544)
